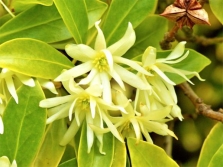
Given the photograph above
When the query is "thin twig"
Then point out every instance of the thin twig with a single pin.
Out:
(200, 106)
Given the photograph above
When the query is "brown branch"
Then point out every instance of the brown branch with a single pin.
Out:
(201, 107)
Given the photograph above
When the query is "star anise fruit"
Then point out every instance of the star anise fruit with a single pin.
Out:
(186, 12)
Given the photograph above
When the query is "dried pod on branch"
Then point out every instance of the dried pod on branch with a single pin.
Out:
(186, 12)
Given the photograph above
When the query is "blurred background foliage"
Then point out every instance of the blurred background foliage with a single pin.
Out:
(193, 130)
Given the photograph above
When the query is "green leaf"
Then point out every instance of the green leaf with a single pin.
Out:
(194, 62)
(216, 7)
(122, 12)
(149, 155)
(95, 10)
(212, 149)
(33, 58)
(148, 35)
(24, 126)
(95, 158)
(40, 22)
(69, 163)
(51, 152)
(74, 15)
(119, 158)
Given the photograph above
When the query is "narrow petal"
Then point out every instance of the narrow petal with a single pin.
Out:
(106, 94)
(48, 85)
(80, 52)
(100, 39)
(118, 79)
(109, 58)
(131, 64)
(92, 106)
(71, 109)
(26, 80)
(90, 134)
(130, 78)
(89, 77)
(136, 129)
(145, 133)
(175, 61)
(122, 46)
(70, 133)
(75, 71)
(149, 56)
(11, 88)
(177, 51)
(55, 101)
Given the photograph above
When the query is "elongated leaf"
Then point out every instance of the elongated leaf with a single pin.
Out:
(149, 155)
(119, 158)
(194, 62)
(51, 152)
(42, 2)
(24, 126)
(95, 158)
(40, 22)
(74, 14)
(33, 58)
(95, 10)
(148, 35)
(216, 7)
(70, 163)
(217, 159)
(122, 12)
(212, 147)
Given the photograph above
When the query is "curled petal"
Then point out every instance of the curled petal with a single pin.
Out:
(26, 80)
(120, 47)
(11, 88)
(100, 39)
(177, 51)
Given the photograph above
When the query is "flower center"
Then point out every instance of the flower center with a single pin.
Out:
(84, 102)
(100, 62)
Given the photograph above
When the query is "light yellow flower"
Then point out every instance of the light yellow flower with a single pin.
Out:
(4, 162)
(103, 63)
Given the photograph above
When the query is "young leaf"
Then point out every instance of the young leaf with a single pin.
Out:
(33, 58)
(95, 158)
(147, 154)
(212, 147)
(24, 126)
(122, 12)
(216, 7)
(39, 22)
(148, 35)
(194, 62)
(74, 15)
(51, 152)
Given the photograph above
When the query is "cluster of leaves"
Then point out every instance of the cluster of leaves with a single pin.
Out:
(32, 44)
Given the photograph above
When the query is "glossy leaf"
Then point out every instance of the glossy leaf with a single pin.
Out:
(122, 12)
(147, 154)
(40, 22)
(69, 163)
(120, 154)
(42, 2)
(24, 126)
(194, 62)
(33, 58)
(95, 10)
(74, 15)
(212, 149)
(95, 158)
(216, 7)
(148, 35)
(51, 152)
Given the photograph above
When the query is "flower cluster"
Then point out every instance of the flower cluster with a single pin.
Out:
(114, 94)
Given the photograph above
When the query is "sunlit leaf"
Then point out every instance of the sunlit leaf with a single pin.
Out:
(216, 6)
(95, 10)
(51, 152)
(24, 126)
(212, 149)
(95, 158)
(120, 153)
(40, 22)
(74, 14)
(122, 12)
(147, 35)
(33, 58)
(147, 154)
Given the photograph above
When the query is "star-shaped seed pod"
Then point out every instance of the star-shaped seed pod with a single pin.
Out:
(186, 13)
